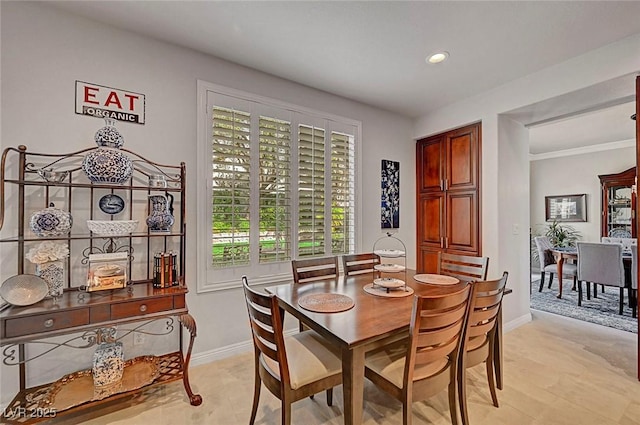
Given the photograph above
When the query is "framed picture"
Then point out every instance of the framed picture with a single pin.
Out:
(390, 202)
(566, 207)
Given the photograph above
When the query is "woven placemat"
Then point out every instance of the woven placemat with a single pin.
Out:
(436, 279)
(326, 303)
(383, 292)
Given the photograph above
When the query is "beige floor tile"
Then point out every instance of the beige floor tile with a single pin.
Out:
(557, 372)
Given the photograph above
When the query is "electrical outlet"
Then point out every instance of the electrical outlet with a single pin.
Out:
(138, 338)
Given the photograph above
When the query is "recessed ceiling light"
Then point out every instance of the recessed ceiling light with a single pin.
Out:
(438, 57)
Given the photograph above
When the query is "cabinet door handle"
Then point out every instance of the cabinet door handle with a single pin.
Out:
(143, 308)
(48, 323)
(441, 184)
(441, 242)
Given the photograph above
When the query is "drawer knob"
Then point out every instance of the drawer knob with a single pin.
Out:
(143, 308)
(48, 323)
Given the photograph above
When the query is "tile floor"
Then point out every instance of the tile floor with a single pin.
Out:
(557, 372)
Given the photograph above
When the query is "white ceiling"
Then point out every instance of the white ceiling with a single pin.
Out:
(374, 52)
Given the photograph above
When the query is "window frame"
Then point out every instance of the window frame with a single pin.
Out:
(211, 279)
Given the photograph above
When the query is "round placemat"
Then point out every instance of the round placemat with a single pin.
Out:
(383, 292)
(436, 279)
(326, 303)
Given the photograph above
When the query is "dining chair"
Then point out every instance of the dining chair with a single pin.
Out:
(634, 280)
(548, 263)
(291, 368)
(601, 263)
(353, 264)
(463, 267)
(480, 335)
(626, 243)
(426, 363)
(312, 269)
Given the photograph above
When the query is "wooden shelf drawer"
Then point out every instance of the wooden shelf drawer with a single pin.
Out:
(46, 322)
(140, 308)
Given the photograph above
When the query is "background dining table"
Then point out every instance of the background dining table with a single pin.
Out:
(373, 322)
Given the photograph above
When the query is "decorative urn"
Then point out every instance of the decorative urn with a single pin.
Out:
(108, 164)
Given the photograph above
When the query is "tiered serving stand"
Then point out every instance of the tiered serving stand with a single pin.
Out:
(384, 274)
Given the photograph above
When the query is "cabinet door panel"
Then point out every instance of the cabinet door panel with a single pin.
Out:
(427, 260)
(430, 162)
(462, 148)
(431, 219)
(462, 221)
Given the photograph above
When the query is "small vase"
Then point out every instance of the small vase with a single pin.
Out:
(53, 273)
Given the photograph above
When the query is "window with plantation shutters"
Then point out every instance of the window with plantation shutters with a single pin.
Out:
(282, 187)
(311, 191)
(342, 193)
(231, 192)
(275, 190)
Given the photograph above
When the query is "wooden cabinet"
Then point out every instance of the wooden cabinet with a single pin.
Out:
(78, 311)
(618, 207)
(448, 195)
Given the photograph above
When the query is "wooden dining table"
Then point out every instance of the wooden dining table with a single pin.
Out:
(374, 321)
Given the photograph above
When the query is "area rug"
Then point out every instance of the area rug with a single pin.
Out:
(602, 310)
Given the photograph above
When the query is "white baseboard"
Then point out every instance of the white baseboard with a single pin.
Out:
(243, 347)
(517, 322)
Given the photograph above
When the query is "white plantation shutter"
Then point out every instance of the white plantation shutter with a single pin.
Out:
(275, 190)
(282, 187)
(342, 193)
(230, 163)
(311, 191)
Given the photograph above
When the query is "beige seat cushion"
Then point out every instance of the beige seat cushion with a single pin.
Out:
(309, 358)
(388, 362)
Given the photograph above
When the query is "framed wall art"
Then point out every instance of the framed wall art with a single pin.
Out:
(390, 202)
(566, 208)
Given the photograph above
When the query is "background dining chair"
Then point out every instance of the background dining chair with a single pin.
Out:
(428, 362)
(601, 263)
(353, 264)
(313, 269)
(309, 270)
(548, 263)
(480, 335)
(291, 368)
(627, 243)
(463, 267)
(634, 280)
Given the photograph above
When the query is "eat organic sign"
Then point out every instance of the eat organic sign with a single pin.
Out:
(107, 102)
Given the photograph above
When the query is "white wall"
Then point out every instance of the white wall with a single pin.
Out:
(44, 51)
(573, 175)
(503, 165)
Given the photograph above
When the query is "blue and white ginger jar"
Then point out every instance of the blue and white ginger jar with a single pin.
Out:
(109, 136)
(51, 222)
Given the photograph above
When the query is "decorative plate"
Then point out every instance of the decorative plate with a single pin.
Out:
(24, 289)
(389, 268)
(619, 233)
(389, 253)
(436, 279)
(111, 204)
(387, 292)
(389, 282)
